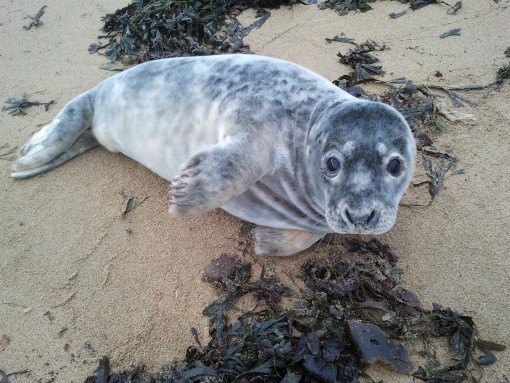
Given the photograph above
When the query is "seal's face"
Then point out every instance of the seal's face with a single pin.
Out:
(366, 159)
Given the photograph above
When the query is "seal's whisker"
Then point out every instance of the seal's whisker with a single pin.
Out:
(392, 139)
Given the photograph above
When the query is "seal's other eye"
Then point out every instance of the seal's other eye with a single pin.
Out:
(394, 167)
(333, 166)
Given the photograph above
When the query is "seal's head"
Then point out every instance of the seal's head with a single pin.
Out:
(363, 154)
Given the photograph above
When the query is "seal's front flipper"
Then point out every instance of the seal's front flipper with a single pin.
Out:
(282, 242)
(65, 138)
(216, 175)
(84, 142)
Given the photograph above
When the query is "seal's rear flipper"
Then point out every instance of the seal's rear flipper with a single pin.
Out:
(282, 242)
(84, 142)
(68, 135)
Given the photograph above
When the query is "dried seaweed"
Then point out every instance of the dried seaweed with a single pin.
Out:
(343, 7)
(396, 15)
(417, 4)
(418, 110)
(454, 8)
(35, 20)
(340, 39)
(17, 106)
(423, 139)
(437, 173)
(451, 32)
(131, 203)
(350, 312)
(4, 377)
(152, 29)
(437, 164)
(362, 61)
(454, 115)
(235, 282)
(503, 74)
(103, 374)
(103, 371)
(415, 106)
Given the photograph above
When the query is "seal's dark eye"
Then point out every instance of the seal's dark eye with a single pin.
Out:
(333, 165)
(394, 167)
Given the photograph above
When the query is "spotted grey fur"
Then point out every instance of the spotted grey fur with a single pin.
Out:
(268, 141)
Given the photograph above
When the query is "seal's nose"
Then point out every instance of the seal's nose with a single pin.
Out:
(360, 218)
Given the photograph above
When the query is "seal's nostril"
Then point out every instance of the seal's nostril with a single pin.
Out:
(364, 220)
(371, 218)
(348, 216)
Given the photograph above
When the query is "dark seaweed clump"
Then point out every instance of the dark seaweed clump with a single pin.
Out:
(35, 21)
(343, 7)
(350, 312)
(151, 29)
(362, 60)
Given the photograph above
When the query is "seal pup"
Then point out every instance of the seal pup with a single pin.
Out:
(266, 140)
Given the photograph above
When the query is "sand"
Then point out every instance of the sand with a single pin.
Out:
(80, 279)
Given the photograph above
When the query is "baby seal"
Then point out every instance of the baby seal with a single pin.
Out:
(266, 140)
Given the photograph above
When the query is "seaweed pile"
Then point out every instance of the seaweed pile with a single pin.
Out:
(151, 29)
(350, 312)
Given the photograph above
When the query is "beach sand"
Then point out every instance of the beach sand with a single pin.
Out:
(79, 279)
